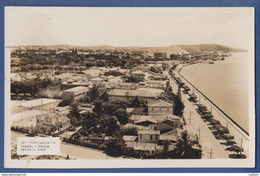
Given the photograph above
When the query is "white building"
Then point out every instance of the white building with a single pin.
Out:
(75, 93)
(159, 108)
(148, 136)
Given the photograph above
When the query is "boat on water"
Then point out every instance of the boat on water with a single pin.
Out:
(211, 62)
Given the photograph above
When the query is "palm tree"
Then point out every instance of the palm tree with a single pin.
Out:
(184, 149)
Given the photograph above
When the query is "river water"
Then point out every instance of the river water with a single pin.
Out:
(225, 83)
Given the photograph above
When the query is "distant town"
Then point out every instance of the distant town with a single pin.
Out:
(124, 102)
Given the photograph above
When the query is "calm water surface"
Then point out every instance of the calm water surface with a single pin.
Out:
(225, 83)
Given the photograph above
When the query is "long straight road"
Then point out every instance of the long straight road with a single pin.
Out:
(211, 147)
(240, 137)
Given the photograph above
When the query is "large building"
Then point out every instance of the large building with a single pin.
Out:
(138, 52)
(51, 122)
(75, 93)
(149, 95)
(159, 108)
(160, 55)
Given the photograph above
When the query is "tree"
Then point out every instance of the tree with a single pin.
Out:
(98, 109)
(109, 125)
(110, 108)
(122, 116)
(129, 129)
(94, 92)
(115, 146)
(166, 146)
(184, 148)
(137, 102)
(90, 123)
(74, 114)
(104, 96)
(178, 105)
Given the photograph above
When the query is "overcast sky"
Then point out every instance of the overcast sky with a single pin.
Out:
(128, 26)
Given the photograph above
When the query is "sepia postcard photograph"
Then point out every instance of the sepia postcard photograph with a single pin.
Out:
(129, 87)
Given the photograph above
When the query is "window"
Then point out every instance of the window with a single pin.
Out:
(151, 136)
(141, 136)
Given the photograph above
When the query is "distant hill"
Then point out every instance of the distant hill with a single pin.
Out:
(210, 47)
(176, 49)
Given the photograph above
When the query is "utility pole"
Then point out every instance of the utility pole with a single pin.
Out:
(190, 117)
(210, 153)
(199, 134)
(241, 142)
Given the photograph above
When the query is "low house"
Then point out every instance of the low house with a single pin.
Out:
(51, 122)
(73, 83)
(75, 93)
(143, 68)
(139, 75)
(160, 55)
(136, 118)
(168, 123)
(160, 107)
(125, 95)
(97, 80)
(85, 108)
(155, 84)
(130, 140)
(145, 122)
(148, 136)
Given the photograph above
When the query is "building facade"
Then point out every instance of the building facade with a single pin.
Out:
(73, 94)
(51, 122)
(160, 55)
(159, 108)
(148, 136)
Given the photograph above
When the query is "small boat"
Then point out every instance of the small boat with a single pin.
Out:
(211, 62)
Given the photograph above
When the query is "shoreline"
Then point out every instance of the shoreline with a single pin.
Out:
(241, 137)
(210, 101)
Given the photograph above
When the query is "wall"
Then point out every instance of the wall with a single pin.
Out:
(146, 138)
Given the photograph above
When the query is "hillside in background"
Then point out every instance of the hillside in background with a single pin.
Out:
(209, 47)
(176, 49)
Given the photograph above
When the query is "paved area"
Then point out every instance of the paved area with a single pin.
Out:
(240, 137)
(211, 147)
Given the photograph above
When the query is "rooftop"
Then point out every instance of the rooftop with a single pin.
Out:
(77, 89)
(133, 93)
(35, 102)
(146, 120)
(160, 104)
(129, 138)
(149, 132)
(97, 79)
(53, 115)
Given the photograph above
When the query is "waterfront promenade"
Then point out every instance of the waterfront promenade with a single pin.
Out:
(212, 147)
